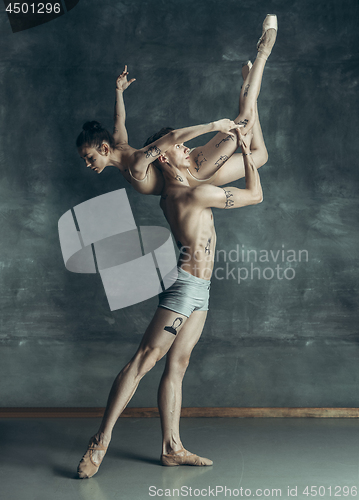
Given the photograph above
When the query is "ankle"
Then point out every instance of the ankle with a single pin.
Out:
(171, 446)
(263, 55)
(103, 438)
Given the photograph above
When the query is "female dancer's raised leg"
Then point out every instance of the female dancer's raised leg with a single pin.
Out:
(207, 160)
(251, 87)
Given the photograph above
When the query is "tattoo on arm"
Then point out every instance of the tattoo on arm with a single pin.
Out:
(221, 160)
(229, 202)
(228, 138)
(246, 90)
(153, 151)
(199, 161)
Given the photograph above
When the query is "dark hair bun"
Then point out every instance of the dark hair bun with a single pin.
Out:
(91, 126)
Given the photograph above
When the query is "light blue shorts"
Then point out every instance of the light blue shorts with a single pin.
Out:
(187, 294)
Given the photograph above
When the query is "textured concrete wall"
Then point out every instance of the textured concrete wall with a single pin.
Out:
(270, 342)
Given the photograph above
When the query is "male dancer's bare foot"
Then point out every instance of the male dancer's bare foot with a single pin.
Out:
(184, 457)
(269, 35)
(93, 457)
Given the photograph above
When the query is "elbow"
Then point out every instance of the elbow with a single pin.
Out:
(257, 198)
(261, 157)
(264, 158)
(173, 136)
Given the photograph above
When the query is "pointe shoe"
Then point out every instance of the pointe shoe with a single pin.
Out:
(270, 22)
(176, 459)
(87, 467)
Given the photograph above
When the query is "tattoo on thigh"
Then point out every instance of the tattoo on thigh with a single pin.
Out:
(226, 139)
(179, 178)
(207, 249)
(243, 122)
(175, 325)
(199, 161)
(221, 160)
(152, 151)
(229, 202)
(246, 90)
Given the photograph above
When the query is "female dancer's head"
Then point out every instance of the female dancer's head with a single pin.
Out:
(94, 145)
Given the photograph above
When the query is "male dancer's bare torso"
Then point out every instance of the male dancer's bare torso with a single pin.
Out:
(192, 226)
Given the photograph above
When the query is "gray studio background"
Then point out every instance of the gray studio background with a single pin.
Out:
(266, 342)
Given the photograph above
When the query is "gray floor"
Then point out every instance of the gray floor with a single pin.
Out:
(39, 458)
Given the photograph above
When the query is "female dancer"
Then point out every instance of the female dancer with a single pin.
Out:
(100, 149)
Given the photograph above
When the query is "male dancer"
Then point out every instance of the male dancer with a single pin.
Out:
(178, 322)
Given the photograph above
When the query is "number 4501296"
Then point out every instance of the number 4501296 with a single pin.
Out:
(335, 491)
(33, 8)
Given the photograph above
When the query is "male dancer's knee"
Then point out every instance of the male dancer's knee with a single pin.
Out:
(177, 366)
(146, 359)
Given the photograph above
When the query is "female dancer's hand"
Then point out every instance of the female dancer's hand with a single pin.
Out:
(226, 126)
(121, 82)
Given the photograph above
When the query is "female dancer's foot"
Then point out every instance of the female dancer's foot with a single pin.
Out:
(269, 35)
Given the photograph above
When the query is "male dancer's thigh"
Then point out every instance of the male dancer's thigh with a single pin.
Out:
(189, 335)
(163, 329)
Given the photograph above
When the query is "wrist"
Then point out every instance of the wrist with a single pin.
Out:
(213, 126)
(119, 90)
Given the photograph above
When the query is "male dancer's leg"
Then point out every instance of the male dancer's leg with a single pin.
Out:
(206, 160)
(170, 392)
(155, 343)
